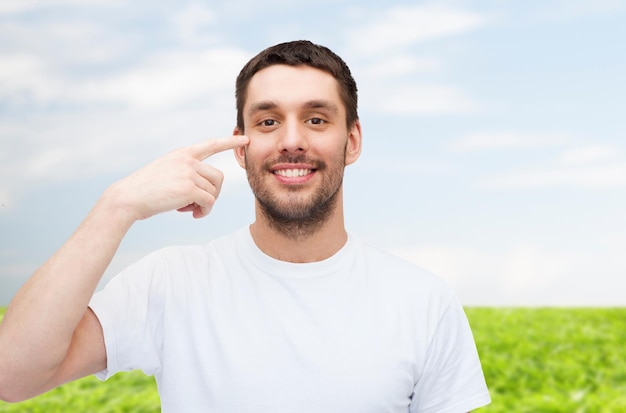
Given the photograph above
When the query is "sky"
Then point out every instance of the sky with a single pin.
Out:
(494, 131)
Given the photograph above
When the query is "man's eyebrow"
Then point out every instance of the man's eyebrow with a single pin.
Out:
(311, 104)
(321, 104)
(261, 106)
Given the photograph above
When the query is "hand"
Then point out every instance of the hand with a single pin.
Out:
(178, 181)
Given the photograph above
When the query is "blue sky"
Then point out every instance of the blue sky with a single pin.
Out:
(494, 132)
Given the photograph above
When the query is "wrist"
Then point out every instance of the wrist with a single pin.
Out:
(117, 207)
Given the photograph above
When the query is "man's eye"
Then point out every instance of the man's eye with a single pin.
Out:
(317, 121)
(268, 122)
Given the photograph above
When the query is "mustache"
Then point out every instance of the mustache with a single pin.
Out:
(295, 159)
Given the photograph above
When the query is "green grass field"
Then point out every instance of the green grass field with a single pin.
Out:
(535, 360)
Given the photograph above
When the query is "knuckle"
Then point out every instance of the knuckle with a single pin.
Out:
(219, 175)
(211, 199)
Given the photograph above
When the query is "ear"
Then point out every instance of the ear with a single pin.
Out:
(353, 147)
(240, 152)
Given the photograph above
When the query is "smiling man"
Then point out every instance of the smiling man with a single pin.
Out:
(288, 314)
(300, 143)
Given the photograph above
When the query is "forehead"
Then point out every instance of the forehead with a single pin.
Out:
(287, 86)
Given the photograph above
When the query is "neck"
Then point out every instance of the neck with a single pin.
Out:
(301, 245)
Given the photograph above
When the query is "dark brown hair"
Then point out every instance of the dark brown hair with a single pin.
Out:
(298, 53)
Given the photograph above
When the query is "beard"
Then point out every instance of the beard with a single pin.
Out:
(297, 214)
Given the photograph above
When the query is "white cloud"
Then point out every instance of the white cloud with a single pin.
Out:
(588, 154)
(585, 167)
(11, 7)
(26, 77)
(560, 10)
(162, 81)
(405, 25)
(422, 99)
(524, 274)
(401, 64)
(63, 45)
(168, 80)
(388, 68)
(408, 167)
(508, 139)
(610, 176)
(192, 19)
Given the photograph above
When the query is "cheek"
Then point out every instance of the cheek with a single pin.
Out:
(261, 146)
(253, 151)
(255, 154)
(338, 151)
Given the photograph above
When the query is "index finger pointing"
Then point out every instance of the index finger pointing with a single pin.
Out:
(205, 149)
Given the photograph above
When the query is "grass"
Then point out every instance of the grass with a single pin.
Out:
(552, 360)
(545, 360)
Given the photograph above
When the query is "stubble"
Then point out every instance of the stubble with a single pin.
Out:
(297, 215)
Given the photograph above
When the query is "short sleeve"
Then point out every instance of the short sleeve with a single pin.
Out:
(452, 380)
(129, 309)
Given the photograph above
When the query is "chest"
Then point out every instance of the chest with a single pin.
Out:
(282, 348)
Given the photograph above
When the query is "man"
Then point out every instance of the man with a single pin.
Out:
(290, 314)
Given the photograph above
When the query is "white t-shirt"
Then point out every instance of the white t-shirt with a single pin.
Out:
(228, 329)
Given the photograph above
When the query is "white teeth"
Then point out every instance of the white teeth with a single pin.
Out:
(290, 173)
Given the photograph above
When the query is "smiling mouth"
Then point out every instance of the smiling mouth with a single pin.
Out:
(291, 173)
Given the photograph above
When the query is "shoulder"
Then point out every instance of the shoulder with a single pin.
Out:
(175, 261)
(404, 279)
(397, 267)
(200, 254)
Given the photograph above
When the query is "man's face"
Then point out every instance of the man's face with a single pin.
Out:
(299, 143)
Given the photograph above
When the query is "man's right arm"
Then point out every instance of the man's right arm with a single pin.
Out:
(49, 335)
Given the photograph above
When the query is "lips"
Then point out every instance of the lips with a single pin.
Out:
(294, 173)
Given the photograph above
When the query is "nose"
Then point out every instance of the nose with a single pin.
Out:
(293, 138)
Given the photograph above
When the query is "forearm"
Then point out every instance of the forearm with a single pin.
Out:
(39, 324)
